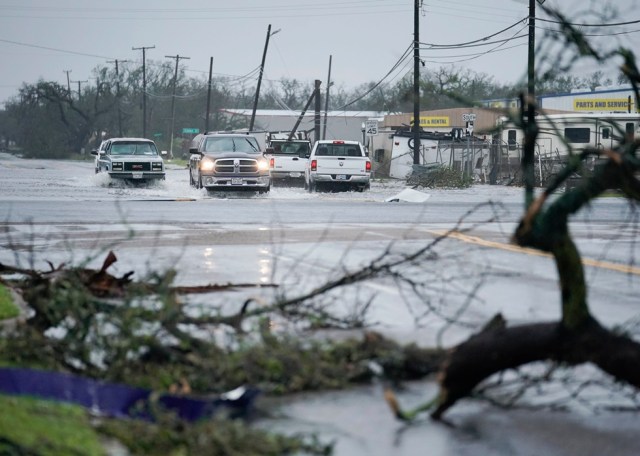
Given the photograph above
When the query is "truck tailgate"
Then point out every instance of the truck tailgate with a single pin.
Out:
(283, 163)
(341, 165)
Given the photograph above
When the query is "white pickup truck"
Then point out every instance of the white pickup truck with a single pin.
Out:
(287, 157)
(338, 163)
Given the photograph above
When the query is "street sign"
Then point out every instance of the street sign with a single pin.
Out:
(193, 131)
(371, 127)
(468, 117)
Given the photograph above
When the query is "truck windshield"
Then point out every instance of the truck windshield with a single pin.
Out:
(133, 148)
(290, 148)
(248, 145)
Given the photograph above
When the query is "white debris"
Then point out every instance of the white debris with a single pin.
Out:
(409, 195)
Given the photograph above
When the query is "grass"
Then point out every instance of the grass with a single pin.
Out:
(30, 426)
(7, 308)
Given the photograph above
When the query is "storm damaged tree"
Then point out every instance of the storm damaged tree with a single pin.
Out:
(578, 337)
(51, 123)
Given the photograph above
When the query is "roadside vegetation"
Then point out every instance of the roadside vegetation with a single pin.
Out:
(91, 323)
(38, 427)
(7, 307)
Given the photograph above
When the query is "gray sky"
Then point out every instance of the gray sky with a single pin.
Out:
(367, 38)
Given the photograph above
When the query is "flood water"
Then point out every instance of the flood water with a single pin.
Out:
(360, 424)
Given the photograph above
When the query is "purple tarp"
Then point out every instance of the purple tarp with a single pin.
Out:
(118, 400)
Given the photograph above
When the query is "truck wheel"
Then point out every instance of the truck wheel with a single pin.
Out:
(199, 182)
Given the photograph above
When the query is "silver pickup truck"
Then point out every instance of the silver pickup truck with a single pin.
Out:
(338, 163)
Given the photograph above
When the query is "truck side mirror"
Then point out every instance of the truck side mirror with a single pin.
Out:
(270, 150)
(194, 150)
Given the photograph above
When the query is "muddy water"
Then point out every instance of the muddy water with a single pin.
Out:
(360, 424)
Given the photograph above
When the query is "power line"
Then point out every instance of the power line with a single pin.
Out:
(612, 24)
(294, 5)
(472, 56)
(18, 43)
(481, 10)
(478, 40)
(404, 56)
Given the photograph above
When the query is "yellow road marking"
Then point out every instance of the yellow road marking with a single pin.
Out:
(625, 268)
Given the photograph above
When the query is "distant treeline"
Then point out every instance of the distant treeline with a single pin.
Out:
(48, 119)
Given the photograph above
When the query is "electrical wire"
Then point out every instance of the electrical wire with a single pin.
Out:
(482, 11)
(428, 46)
(473, 56)
(559, 32)
(613, 24)
(145, 11)
(404, 56)
(18, 43)
(497, 48)
(481, 41)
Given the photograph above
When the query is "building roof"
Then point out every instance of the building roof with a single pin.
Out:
(292, 113)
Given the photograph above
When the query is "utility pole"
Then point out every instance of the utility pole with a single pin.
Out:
(173, 99)
(264, 56)
(144, 87)
(118, 95)
(79, 82)
(316, 133)
(528, 158)
(206, 122)
(326, 102)
(416, 81)
(68, 83)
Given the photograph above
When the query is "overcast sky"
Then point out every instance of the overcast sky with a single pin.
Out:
(366, 38)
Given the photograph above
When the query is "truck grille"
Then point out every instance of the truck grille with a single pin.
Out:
(236, 166)
(137, 166)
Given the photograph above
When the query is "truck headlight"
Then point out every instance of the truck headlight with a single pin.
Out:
(206, 164)
(263, 165)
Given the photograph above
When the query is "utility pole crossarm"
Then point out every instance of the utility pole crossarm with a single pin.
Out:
(79, 83)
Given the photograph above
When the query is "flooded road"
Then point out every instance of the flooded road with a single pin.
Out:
(360, 424)
(61, 212)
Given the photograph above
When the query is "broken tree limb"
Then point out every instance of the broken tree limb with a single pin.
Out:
(496, 349)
